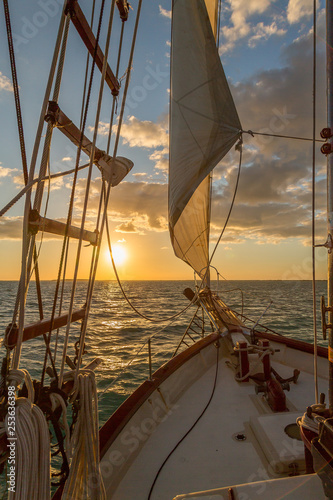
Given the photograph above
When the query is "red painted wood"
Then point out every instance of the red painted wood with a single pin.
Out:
(293, 343)
(89, 40)
(41, 327)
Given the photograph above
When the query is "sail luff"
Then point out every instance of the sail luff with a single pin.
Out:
(204, 125)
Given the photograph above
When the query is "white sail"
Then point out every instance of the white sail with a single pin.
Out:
(204, 125)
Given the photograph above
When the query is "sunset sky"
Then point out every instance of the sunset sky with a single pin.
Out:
(266, 51)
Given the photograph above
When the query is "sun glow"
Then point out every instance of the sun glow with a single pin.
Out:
(119, 254)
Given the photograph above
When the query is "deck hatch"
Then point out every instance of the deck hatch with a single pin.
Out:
(283, 453)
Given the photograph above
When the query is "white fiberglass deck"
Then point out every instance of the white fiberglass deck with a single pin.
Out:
(210, 457)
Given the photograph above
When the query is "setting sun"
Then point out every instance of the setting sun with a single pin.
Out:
(119, 254)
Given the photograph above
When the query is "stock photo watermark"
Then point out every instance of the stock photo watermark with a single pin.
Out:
(31, 26)
(11, 438)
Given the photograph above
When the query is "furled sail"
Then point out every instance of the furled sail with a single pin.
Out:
(204, 125)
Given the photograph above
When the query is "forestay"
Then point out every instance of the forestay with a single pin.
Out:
(204, 125)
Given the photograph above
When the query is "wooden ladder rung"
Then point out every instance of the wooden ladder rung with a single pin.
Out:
(42, 327)
(39, 223)
(58, 119)
(86, 34)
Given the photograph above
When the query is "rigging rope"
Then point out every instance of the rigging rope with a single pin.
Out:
(27, 254)
(218, 24)
(16, 91)
(85, 206)
(32, 479)
(20, 131)
(152, 320)
(79, 168)
(281, 136)
(240, 149)
(85, 479)
(134, 357)
(89, 297)
(39, 190)
(30, 185)
(313, 225)
(95, 254)
(114, 100)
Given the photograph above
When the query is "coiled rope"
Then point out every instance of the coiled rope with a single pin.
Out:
(85, 480)
(32, 444)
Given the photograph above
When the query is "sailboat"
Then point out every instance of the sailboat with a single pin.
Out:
(228, 417)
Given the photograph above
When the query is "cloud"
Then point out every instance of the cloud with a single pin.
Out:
(161, 159)
(4, 172)
(140, 174)
(273, 201)
(298, 9)
(164, 12)
(5, 83)
(7, 173)
(239, 27)
(127, 227)
(263, 32)
(11, 228)
(147, 135)
(144, 134)
(136, 206)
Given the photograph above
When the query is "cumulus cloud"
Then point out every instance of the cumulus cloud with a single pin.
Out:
(136, 207)
(147, 135)
(5, 83)
(4, 172)
(144, 134)
(263, 32)
(273, 202)
(164, 12)
(240, 26)
(298, 9)
(137, 133)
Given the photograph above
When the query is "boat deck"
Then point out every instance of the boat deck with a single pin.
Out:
(211, 456)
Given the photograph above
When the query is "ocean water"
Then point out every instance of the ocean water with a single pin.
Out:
(118, 336)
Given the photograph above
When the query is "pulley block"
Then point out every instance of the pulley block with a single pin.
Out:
(326, 133)
(326, 148)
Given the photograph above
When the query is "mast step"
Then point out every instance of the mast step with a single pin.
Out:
(41, 327)
(82, 26)
(39, 223)
(113, 169)
(58, 119)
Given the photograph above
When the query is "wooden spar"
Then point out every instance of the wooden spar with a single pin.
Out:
(39, 223)
(329, 45)
(89, 40)
(123, 9)
(42, 327)
(70, 130)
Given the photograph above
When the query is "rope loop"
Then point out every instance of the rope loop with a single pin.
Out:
(16, 377)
